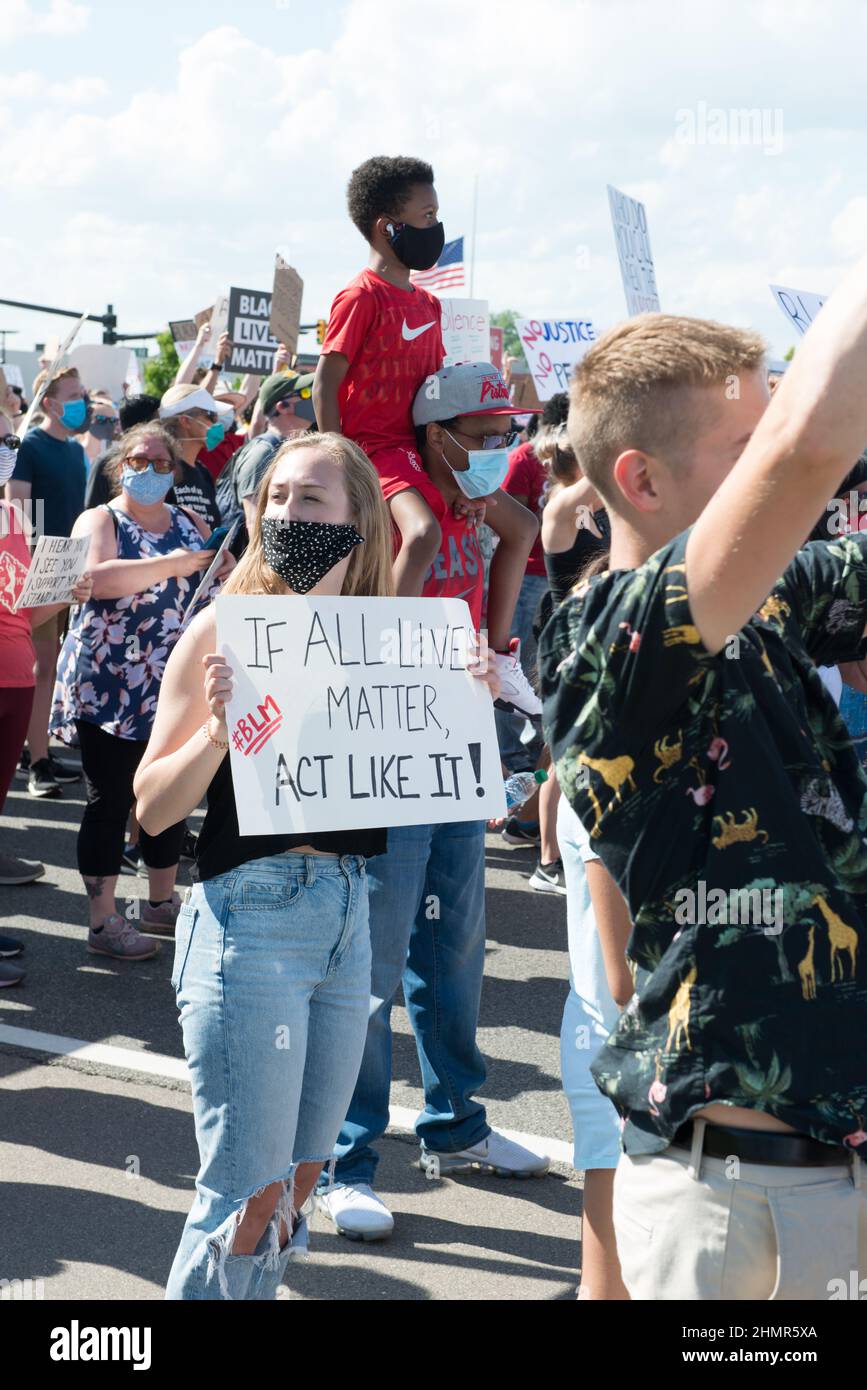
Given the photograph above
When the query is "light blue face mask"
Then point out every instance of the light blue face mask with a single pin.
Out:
(215, 435)
(74, 415)
(486, 471)
(146, 487)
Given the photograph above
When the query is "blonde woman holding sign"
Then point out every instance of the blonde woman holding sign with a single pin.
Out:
(272, 960)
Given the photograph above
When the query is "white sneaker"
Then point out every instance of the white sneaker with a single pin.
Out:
(516, 694)
(356, 1211)
(495, 1154)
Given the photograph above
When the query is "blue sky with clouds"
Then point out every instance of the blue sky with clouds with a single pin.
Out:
(154, 154)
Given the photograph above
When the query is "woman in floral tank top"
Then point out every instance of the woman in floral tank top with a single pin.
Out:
(146, 558)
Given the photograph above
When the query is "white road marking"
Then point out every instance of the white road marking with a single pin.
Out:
(159, 1064)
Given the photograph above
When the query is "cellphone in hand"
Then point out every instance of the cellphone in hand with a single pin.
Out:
(216, 538)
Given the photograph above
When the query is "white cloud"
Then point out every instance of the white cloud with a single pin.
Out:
(194, 169)
(33, 86)
(849, 228)
(20, 19)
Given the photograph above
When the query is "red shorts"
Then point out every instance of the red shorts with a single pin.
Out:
(399, 466)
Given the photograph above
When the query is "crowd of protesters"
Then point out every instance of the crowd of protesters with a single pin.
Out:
(623, 550)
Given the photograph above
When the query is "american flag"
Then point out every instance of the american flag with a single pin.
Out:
(447, 274)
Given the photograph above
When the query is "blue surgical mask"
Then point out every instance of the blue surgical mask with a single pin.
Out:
(74, 415)
(215, 435)
(146, 487)
(486, 471)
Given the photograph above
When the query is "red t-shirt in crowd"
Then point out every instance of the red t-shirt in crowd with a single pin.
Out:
(393, 340)
(458, 571)
(215, 460)
(17, 653)
(526, 478)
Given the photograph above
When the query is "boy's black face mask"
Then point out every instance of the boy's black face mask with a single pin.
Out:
(302, 552)
(418, 248)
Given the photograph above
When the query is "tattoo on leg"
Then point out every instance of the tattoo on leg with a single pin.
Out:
(94, 886)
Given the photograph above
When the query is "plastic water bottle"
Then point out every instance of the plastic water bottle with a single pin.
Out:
(520, 787)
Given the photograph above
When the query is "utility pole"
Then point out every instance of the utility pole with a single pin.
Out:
(473, 240)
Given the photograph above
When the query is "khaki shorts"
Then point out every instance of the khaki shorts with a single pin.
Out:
(719, 1228)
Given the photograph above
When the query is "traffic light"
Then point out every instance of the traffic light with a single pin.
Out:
(321, 327)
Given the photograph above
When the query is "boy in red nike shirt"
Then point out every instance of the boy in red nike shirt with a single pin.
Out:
(384, 339)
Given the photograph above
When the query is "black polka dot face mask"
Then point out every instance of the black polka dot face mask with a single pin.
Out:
(302, 552)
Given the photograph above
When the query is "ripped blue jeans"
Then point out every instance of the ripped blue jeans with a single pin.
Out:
(272, 978)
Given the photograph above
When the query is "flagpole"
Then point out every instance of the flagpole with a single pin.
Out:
(473, 243)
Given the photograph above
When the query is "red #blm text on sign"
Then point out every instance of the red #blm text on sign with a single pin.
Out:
(253, 730)
(253, 347)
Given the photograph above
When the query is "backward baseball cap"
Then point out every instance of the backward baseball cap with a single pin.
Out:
(468, 388)
(283, 387)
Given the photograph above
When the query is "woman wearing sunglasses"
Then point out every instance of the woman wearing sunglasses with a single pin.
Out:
(145, 557)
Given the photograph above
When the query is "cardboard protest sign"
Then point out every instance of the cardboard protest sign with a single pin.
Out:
(356, 712)
(552, 347)
(54, 365)
(102, 366)
(633, 249)
(253, 347)
(207, 579)
(799, 306)
(466, 331)
(285, 320)
(57, 563)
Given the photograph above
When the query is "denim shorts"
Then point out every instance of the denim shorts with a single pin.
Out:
(272, 977)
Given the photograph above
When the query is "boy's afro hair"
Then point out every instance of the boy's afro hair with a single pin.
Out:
(382, 186)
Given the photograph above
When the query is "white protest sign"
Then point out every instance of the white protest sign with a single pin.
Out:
(102, 366)
(13, 375)
(58, 563)
(799, 306)
(208, 576)
(552, 348)
(219, 320)
(633, 249)
(62, 350)
(352, 713)
(466, 331)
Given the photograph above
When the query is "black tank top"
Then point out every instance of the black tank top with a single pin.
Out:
(564, 566)
(220, 846)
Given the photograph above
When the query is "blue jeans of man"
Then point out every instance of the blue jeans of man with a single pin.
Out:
(515, 755)
(427, 927)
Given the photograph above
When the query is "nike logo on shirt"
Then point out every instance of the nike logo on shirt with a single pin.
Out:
(410, 333)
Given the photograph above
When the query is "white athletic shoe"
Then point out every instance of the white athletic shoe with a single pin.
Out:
(516, 694)
(356, 1211)
(495, 1154)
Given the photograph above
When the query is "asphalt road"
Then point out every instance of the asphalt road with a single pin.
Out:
(98, 1158)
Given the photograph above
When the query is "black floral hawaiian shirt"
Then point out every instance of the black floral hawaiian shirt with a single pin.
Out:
(723, 796)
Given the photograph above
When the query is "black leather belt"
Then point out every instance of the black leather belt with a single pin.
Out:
(763, 1146)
